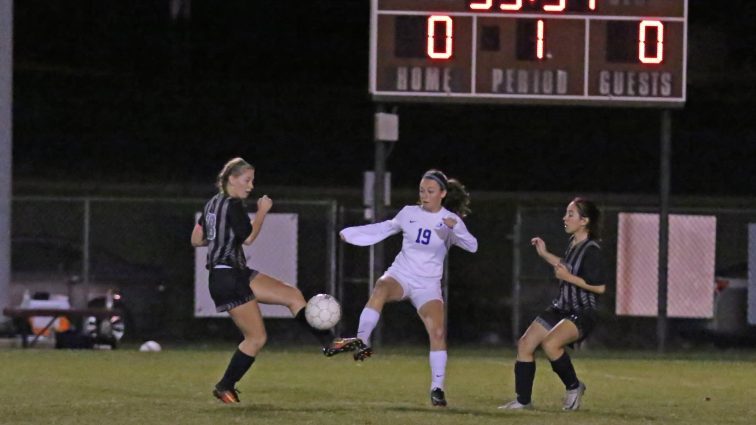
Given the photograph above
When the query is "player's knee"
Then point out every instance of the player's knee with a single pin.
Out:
(437, 335)
(256, 342)
(552, 348)
(525, 347)
(523, 343)
(381, 290)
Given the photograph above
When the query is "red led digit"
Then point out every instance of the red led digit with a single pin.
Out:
(555, 7)
(515, 5)
(481, 5)
(447, 23)
(643, 29)
(539, 39)
(592, 4)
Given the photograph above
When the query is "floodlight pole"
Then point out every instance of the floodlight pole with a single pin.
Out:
(664, 184)
(6, 147)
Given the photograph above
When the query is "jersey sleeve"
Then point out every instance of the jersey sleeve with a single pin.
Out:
(370, 234)
(592, 267)
(461, 237)
(239, 219)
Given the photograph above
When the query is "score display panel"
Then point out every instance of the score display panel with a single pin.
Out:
(575, 52)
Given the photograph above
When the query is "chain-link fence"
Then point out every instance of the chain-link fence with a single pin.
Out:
(708, 248)
(82, 247)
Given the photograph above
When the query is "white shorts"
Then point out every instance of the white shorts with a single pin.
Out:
(417, 289)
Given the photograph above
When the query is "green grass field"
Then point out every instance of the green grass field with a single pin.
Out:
(294, 386)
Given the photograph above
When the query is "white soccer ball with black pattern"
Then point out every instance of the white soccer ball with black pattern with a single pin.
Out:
(323, 311)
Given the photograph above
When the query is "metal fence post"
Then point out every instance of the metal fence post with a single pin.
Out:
(666, 154)
(516, 258)
(86, 258)
(331, 247)
(6, 147)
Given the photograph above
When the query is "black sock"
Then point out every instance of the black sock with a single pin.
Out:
(237, 367)
(563, 367)
(524, 376)
(323, 336)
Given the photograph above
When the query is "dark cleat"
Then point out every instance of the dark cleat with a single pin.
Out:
(437, 397)
(226, 396)
(342, 345)
(362, 353)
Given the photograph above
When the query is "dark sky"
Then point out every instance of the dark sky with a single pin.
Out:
(115, 91)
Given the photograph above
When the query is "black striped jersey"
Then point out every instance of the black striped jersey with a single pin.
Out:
(225, 225)
(584, 260)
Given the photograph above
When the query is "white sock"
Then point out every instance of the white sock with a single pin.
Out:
(368, 320)
(438, 368)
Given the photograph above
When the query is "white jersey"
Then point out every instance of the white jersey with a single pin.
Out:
(426, 239)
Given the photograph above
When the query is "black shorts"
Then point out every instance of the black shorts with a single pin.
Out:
(230, 288)
(584, 321)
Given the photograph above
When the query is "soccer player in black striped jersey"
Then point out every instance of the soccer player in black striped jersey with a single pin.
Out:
(224, 227)
(571, 316)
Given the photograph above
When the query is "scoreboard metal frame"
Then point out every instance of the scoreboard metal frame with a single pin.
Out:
(625, 53)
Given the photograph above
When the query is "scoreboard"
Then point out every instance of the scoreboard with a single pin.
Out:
(572, 52)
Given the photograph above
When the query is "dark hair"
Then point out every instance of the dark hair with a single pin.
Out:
(233, 167)
(586, 208)
(457, 199)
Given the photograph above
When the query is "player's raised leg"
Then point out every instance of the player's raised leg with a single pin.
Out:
(564, 333)
(269, 290)
(387, 289)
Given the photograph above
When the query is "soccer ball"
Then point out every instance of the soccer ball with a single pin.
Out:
(323, 312)
(150, 346)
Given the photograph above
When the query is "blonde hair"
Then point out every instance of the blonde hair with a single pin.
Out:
(234, 167)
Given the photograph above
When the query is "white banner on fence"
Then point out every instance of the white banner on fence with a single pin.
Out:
(752, 274)
(690, 272)
(274, 253)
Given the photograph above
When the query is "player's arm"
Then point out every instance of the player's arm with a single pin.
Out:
(198, 233)
(589, 276)
(370, 234)
(562, 273)
(460, 236)
(263, 206)
(544, 253)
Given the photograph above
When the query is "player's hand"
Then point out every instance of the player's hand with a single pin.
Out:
(561, 271)
(264, 204)
(449, 222)
(539, 245)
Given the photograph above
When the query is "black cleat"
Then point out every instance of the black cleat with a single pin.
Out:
(437, 397)
(362, 353)
(226, 396)
(341, 345)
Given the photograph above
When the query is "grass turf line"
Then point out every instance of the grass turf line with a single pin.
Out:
(288, 386)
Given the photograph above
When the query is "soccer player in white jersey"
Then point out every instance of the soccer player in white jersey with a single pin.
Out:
(429, 229)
